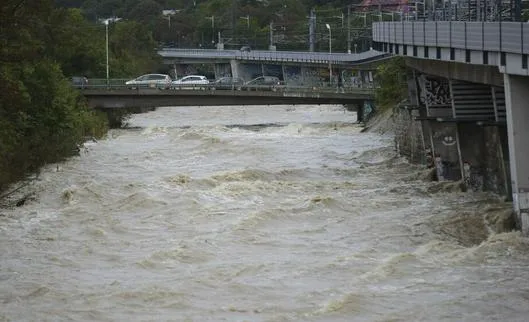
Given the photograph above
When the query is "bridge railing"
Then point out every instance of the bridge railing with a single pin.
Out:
(319, 87)
(272, 56)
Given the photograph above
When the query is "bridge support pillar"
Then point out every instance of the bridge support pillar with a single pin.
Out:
(516, 98)
(234, 68)
(359, 109)
(222, 70)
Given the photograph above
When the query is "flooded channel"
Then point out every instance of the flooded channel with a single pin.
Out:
(262, 213)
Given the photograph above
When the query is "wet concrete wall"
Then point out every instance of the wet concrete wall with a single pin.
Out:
(471, 150)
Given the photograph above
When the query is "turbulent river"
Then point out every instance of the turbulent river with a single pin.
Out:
(264, 213)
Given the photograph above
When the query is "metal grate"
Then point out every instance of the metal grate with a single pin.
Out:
(472, 101)
(499, 100)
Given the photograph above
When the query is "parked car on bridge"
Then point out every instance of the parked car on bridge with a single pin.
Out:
(228, 82)
(190, 82)
(263, 83)
(79, 81)
(150, 81)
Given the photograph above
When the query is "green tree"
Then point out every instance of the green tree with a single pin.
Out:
(79, 46)
(42, 118)
(133, 49)
(391, 83)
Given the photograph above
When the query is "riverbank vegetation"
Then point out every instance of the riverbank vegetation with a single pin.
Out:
(43, 118)
(392, 86)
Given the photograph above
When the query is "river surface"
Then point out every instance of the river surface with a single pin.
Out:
(255, 214)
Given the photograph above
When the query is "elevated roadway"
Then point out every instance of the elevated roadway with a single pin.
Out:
(196, 56)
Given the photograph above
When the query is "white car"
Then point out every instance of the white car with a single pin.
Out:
(190, 82)
(150, 81)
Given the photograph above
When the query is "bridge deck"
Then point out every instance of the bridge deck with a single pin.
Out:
(273, 56)
(151, 97)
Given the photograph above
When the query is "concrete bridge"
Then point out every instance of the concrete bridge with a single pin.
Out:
(304, 69)
(306, 78)
(469, 87)
(124, 98)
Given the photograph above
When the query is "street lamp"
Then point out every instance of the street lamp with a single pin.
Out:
(330, 46)
(106, 33)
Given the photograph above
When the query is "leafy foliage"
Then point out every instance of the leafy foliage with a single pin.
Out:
(391, 81)
(42, 118)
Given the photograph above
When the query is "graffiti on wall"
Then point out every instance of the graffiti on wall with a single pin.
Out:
(250, 71)
(293, 75)
(273, 70)
(433, 91)
(446, 159)
(222, 70)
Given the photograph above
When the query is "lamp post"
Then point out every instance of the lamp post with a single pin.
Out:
(106, 33)
(330, 46)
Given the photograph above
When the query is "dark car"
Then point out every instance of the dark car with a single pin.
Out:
(263, 83)
(231, 83)
(79, 81)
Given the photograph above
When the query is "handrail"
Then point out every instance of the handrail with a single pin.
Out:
(320, 87)
(279, 56)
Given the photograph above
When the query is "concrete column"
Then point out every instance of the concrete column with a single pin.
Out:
(234, 67)
(222, 70)
(517, 104)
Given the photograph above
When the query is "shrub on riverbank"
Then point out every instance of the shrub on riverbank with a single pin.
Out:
(392, 87)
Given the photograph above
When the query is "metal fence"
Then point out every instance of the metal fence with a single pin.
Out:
(507, 37)
(272, 56)
(320, 87)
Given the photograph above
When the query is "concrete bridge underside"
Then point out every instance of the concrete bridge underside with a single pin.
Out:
(147, 98)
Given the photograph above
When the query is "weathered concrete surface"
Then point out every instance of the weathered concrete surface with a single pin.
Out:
(483, 158)
(471, 73)
(123, 99)
(516, 98)
(444, 144)
(409, 136)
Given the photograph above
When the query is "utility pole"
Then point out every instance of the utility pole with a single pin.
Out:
(312, 25)
(212, 18)
(330, 51)
(271, 36)
(233, 33)
(349, 29)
